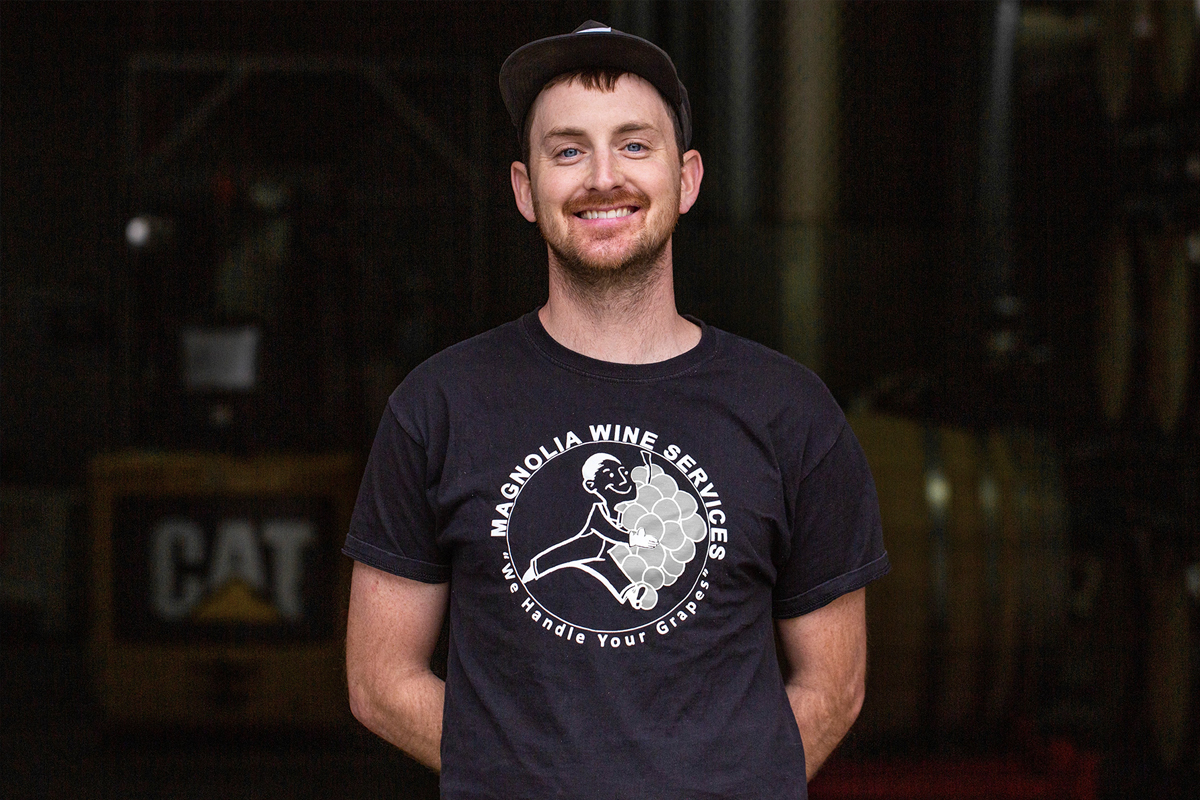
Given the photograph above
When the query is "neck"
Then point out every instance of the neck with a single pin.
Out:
(624, 324)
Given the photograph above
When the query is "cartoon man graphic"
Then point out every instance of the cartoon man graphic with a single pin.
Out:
(606, 477)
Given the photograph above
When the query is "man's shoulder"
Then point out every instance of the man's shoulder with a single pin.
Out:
(471, 358)
(764, 363)
(777, 392)
(460, 374)
(500, 340)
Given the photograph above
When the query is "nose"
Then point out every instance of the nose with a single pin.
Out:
(605, 173)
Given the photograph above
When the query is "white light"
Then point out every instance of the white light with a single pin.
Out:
(1143, 26)
(147, 231)
(1002, 341)
(937, 491)
(137, 232)
(1191, 165)
(269, 195)
(989, 495)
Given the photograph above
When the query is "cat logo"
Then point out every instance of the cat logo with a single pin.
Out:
(230, 581)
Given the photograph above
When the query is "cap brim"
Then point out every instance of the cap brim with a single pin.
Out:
(530, 67)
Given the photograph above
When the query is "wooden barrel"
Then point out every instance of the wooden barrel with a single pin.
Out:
(1169, 346)
(972, 524)
(1039, 519)
(1169, 704)
(1192, 414)
(1115, 325)
(1173, 48)
(1114, 56)
(1103, 638)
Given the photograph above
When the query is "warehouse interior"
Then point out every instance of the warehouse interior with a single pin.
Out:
(229, 230)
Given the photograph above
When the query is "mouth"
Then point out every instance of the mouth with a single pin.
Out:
(609, 213)
(621, 488)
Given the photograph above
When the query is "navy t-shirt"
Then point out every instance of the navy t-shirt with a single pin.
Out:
(618, 539)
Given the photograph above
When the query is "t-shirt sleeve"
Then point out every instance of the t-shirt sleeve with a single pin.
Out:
(393, 527)
(836, 543)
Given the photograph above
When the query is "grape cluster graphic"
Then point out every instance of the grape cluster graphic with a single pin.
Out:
(669, 514)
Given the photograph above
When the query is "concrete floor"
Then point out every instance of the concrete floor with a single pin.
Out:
(52, 745)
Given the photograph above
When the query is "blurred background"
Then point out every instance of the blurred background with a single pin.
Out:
(230, 229)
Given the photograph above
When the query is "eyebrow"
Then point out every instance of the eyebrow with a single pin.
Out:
(562, 133)
(571, 133)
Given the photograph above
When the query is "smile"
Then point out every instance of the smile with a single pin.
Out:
(614, 213)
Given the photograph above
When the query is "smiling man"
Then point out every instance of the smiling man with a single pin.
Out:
(641, 656)
(605, 179)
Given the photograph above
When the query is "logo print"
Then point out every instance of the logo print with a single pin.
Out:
(642, 524)
(605, 535)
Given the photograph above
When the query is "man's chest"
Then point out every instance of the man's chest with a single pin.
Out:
(612, 530)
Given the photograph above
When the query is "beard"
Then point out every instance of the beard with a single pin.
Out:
(599, 274)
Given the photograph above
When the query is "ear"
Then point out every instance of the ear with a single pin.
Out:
(691, 172)
(522, 190)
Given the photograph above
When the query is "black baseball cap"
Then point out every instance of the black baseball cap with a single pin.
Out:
(592, 44)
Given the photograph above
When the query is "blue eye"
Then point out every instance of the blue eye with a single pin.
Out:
(635, 147)
(569, 152)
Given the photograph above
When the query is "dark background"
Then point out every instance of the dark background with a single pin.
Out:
(383, 125)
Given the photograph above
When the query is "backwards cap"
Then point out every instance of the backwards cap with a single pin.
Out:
(592, 44)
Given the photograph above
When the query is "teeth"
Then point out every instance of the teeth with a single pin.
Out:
(614, 214)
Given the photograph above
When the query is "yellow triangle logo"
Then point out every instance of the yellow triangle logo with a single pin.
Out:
(236, 601)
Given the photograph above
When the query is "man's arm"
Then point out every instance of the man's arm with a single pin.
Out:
(392, 628)
(825, 670)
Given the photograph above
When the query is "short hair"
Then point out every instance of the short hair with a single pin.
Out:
(603, 79)
(593, 464)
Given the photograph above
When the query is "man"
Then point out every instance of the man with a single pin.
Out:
(756, 495)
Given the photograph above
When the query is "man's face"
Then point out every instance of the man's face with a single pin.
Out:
(604, 181)
(611, 482)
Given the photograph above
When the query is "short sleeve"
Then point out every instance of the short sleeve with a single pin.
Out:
(394, 526)
(836, 543)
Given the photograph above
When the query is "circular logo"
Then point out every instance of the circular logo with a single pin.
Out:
(608, 536)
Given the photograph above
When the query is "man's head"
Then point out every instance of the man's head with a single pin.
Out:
(600, 79)
(604, 175)
(606, 477)
(591, 48)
